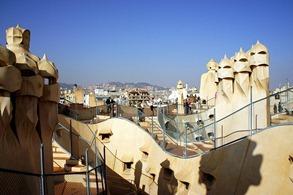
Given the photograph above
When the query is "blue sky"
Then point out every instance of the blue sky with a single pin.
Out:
(156, 41)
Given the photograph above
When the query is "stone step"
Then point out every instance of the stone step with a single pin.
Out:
(69, 188)
(63, 163)
(56, 164)
(58, 169)
(78, 168)
(59, 162)
(56, 149)
(82, 179)
(60, 154)
(93, 181)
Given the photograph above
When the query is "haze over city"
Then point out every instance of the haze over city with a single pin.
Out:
(150, 97)
(158, 42)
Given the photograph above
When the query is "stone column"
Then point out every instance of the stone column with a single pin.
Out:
(23, 143)
(10, 81)
(224, 95)
(208, 83)
(48, 112)
(180, 101)
(241, 95)
(259, 63)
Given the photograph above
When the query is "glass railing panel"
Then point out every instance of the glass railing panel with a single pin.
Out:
(248, 119)
(281, 108)
(204, 127)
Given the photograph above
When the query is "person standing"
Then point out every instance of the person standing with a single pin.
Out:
(275, 109)
(189, 104)
(186, 106)
(280, 108)
(112, 105)
(108, 103)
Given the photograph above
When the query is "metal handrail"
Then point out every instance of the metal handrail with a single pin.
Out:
(202, 128)
(179, 156)
(200, 104)
(113, 153)
(170, 137)
(95, 137)
(246, 106)
(122, 161)
(47, 174)
(165, 132)
(90, 144)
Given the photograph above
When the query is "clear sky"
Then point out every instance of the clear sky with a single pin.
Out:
(156, 41)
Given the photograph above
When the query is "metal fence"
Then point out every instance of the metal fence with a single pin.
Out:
(280, 112)
(211, 131)
(44, 182)
(205, 127)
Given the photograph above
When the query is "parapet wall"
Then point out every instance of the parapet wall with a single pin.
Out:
(249, 166)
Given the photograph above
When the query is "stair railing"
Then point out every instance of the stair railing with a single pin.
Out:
(248, 106)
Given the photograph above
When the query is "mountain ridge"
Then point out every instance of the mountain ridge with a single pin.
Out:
(119, 85)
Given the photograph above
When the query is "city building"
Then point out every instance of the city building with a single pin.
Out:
(137, 97)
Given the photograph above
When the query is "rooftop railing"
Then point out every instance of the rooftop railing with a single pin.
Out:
(44, 179)
(96, 145)
(280, 112)
(211, 131)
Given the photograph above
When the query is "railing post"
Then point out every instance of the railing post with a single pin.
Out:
(97, 181)
(88, 189)
(222, 132)
(215, 129)
(96, 164)
(117, 113)
(43, 190)
(137, 113)
(177, 108)
(287, 96)
(105, 173)
(71, 144)
(152, 125)
(256, 123)
(102, 177)
(250, 113)
(164, 132)
(158, 110)
(185, 148)
(96, 155)
(164, 137)
(177, 120)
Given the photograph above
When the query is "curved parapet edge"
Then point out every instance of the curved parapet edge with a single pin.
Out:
(251, 163)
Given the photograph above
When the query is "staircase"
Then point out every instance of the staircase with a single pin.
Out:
(156, 131)
(171, 145)
(68, 184)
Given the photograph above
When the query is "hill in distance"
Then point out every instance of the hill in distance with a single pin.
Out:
(119, 85)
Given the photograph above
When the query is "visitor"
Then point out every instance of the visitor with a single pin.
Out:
(186, 106)
(275, 109)
(280, 108)
(140, 108)
(189, 104)
(108, 103)
(112, 105)
(199, 103)
(151, 104)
